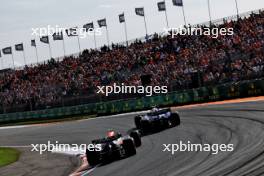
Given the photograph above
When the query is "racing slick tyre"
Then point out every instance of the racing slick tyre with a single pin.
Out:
(175, 119)
(146, 127)
(137, 138)
(138, 122)
(92, 157)
(107, 155)
(116, 153)
(129, 147)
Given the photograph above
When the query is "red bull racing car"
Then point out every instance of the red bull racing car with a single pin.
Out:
(114, 147)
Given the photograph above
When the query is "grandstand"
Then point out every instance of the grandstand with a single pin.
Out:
(171, 61)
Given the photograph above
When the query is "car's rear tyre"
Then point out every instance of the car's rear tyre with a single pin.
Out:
(138, 122)
(129, 147)
(106, 155)
(175, 119)
(137, 138)
(92, 157)
(117, 154)
(146, 127)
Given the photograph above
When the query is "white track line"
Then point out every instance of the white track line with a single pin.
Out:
(74, 153)
(69, 151)
(15, 146)
(89, 171)
(14, 127)
(117, 115)
(102, 117)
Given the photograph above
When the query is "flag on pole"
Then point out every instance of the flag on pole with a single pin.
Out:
(88, 26)
(72, 32)
(102, 22)
(7, 50)
(180, 3)
(122, 18)
(19, 47)
(0, 54)
(177, 2)
(140, 11)
(57, 36)
(45, 39)
(33, 43)
(161, 6)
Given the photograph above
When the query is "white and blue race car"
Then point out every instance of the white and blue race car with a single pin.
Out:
(157, 120)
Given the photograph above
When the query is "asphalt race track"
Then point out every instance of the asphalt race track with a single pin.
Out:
(239, 124)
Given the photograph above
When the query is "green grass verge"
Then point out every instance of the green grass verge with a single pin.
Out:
(8, 156)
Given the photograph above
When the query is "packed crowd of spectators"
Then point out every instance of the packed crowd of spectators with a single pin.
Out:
(170, 61)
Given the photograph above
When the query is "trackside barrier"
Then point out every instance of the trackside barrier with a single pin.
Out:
(204, 94)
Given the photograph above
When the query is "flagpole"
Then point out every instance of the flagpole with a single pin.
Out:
(79, 43)
(13, 60)
(237, 9)
(63, 45)
(24, 57)
(125, 25)
(95, 45)
(209, 11)
(37, 54)
(145, 24)
(2, 63)
(184, 17)
(166, 14)
(50, 50)
(107, 35)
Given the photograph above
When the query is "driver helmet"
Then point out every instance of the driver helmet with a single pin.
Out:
(154, 109)
(111, 133)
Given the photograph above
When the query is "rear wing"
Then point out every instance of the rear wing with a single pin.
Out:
(162, 111)
(102, 141)
(106, 140)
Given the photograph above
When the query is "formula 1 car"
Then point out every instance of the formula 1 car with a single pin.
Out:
(157, 120)
(114, 147)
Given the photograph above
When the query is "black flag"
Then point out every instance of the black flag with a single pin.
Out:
(45, 39)
(122, 18)
(102, 22)
(177, 2)
(57, 36)
(161, 6)
(88, 26)
(140, 11)
(33, 43)
(7, 50)
(19, 47)
(72, 32)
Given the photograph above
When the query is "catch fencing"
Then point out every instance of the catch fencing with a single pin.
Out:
(203, 94)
